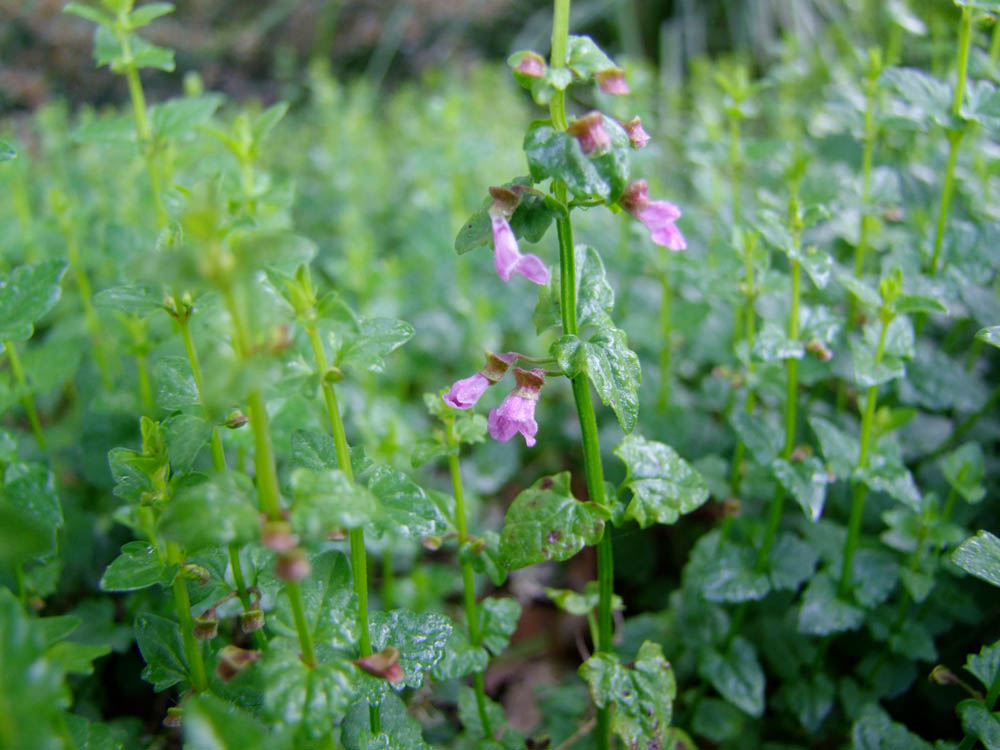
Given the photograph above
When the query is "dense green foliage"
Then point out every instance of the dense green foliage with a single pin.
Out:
(228, 468)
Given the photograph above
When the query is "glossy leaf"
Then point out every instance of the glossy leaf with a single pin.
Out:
(980, 723)
(595, 299)
(805, 481)
(175, 386)
(546, 522)
(498, 621)
(874, 730)
(310, 699)
(985, 664)
(213, 513)
(405, 509)
(980, 556)
(736, 674)
(26, 294)
(185, 435)
(211, 723)
(664, 486)
(376, 339)
(420, 638)
(326, 501)
(963, 469)
(137, 567)
(159, 640)
(989, 335)
(134, 299)
(823, 612)
(398, 730)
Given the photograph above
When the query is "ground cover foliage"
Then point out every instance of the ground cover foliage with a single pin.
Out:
(251, 495)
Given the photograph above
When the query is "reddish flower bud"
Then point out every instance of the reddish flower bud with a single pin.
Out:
(531, 65)
(292, 565)
(612, 81)
(252, 620)
(636, 133)
(233, 660)
(384, 664)
(206, 626)
(174, 718)
(589, 131)
(236, 419)
(277, 535)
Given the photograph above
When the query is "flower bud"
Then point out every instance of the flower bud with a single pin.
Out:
(529, 64)
(196, 573)
(292, 565)
(636, 133)
(505, 200)
(732, 506)
(277, 535)
(384, 664)
(174, 717)
(612, 81)
(206, 626)
(333, 374)
(431, 543)
(236, 419)
(819, 350)
(252, 620)
(589, 131)
(233, 660)
(942, 675)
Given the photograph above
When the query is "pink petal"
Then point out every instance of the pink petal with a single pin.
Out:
(506, 252)
(658, 212)
(533, 269)
(669, 236)
(466, 392)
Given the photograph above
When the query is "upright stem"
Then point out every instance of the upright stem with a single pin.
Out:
(199, 680)
(581, 388)
(954, 136)
(83, 286)
(749, 328)
(663, 397)
(356, 537)
(27, 400)
(871, 89)
(859, 492)
(145, 389)
(468, 575)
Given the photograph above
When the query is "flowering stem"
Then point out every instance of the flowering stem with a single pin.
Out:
(356, 537)
(27, 401)
(859, 492)
(199, 681)
(735, 479)
(468, 576)
(954, 136)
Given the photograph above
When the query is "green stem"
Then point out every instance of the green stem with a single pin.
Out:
(859, 492)
(749, 329)
(22, 586)
(663, 397)
(954, 137)
(199, 679)
(145, 389)
(866, 191)
(356, 537)
(468, 575)
(995, 44)
(89, 313)
(142, 127)
(294, 592)
(27, 400)
(736, 161)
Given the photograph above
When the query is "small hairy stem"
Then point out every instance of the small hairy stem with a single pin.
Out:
(859, 492)
(199, 680)
(27, 400)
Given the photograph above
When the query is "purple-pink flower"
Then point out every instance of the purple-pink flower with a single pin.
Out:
(508, 257)
(531, 65)
(612, 81)
(589, 131)
(636, 132)
(466, 392)
(517, 412)
(658, 216)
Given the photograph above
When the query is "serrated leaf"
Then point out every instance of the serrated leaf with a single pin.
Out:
(926, 95)
(792, 562)
(159, 641)
(76, 658)
(175, 386)
(399, 730)
(862, 291)
(29, 500)
(810, 700)
(420, 638)
(887, 475)
(212, 513)
(764, 443)
(376, 339)
(185, 435)
(139, 566)
(483, 553)
(736, 674)
(642, 696)
(980, 722)
(459, 658)
(498, 621)
(805, 481)
(964, 470)
(256, 248)
(176, 118)
(595, 299)
(26, 294)
(581, 604)
(870, 372)
(404, 508)
(980, 556)
(211, 723)
(132, 299)
(310, 698)
(773, 345)
(840, 450)
(985, 664)
(108, 51)
(823, 612)
(909, 304)
(146, 14)
(874, 730)
(92, 735)
(725, 572)
(585, 58)
(664, 486)
(94, 15)
(546, 522)
(326, 500)
(314, 450)
(611, 366)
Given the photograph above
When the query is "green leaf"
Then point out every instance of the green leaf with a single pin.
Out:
(981, 723)
(980, 556)
(459, 658)
(212, 513)
(909, 304)
(175, 386)
(991, 6)
(108, 51)
(310, 698)
(399, 730)
(989, 335)
(840, 450)
(211, 723)
(314, 450)
(725, 572)
(612, 367)
(964, 471)
(92, 735)
(327, 500)
(818, 264)
(595, 299)
(763, 441)
(869, 372)
(928, 97)
(185, 435)
(148, 13)
(530, 220)
(823, 612)
(483, 553)
(159, 641)
(405, 509)
(583, 604)
(874, 730)
(137, 567)
(585, 58)
(792, 562)
(21, 538)
(420, 638)
(773, 345)
(257, 248)
(985, 664)
(94, 15)
(7, 152)
(375, 340)
(497, 622)
(886, 474)
(864, 293)
(32, 685)
(176, 118)
(805, 481)
(133, 299)
(642, 695)
(545, 522)
(718, 720)
(810, 699)
(76, 658)
(29, 496)
(736, 674)
(664, 486)
(26, 294)
(600, 176)
(468, 715)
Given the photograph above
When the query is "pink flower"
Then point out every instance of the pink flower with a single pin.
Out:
(531, 65)
(517, 412)
(508, 257)
(466, 392)
(658, 216)
(636, 133)
(612, 81)
(589, 131)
